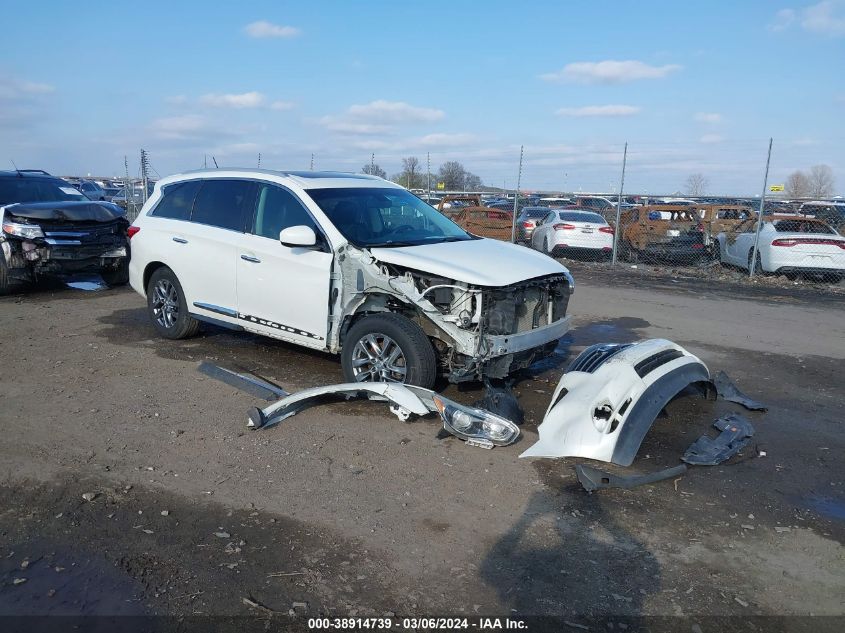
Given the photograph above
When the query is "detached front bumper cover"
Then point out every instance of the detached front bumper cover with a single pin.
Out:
(477, 426)
(609, 397)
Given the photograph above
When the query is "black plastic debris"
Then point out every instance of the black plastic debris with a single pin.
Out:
(594, 479)
(502, 402)
(727, 390)
(244, 381)
(736, 432)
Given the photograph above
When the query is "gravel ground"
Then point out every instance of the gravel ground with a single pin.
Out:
(344, 510)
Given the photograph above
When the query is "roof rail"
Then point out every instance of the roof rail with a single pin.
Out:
(33, 171)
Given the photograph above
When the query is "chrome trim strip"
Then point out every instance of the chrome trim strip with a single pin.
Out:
(218, 309)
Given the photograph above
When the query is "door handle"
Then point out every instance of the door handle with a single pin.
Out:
(180, 240)
(250, 258)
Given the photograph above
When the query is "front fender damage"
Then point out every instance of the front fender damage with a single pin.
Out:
(609, 397)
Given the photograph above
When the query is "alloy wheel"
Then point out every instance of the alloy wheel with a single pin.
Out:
(378, 358)
(165, 303)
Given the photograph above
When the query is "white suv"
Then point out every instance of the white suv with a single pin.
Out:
(349, 264)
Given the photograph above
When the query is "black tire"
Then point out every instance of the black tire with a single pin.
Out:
(364, 364)
(117, 276)
(5, 282)
(170, 318)
(717, 251)
(758, 267)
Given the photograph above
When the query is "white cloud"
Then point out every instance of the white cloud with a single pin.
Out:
(825, 18)
(264, 29)
(783, 20)
(282, 106)
(179, 127)
(444, 140)
(245, 100)
(609, 72)
(394, 112)
(708, 117)
(335, 124)
(11, 88)
(709, 139)
(599, 110)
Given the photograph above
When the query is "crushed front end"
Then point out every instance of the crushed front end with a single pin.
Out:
(46, 239)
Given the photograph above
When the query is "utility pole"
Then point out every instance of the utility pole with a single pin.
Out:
(205, 161)
(753, 263)
(259, 160)
(312, 161)
(372, 163)
(144, 173)
(616, 229)
(428, 174)
(516, 195)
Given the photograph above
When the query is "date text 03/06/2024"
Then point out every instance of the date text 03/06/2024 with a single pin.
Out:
(387, 624)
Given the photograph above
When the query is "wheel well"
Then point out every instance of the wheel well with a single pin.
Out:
(149, 270)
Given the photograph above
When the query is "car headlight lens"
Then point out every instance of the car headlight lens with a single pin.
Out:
(470, 423)
(28, 231)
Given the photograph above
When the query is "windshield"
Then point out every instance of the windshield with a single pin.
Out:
(25, 189)
(379, 216)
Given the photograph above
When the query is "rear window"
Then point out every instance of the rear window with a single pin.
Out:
(803, 226)
(176, 201)
(26, 189)
(224, 203)
(535, 213)
(570, 216)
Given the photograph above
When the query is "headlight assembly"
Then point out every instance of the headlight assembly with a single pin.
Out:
(476, 425)
(27, 231)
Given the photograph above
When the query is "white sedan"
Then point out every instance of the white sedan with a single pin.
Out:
(570, 231)
(789, 246)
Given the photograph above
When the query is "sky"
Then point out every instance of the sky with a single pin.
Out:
(692, 87)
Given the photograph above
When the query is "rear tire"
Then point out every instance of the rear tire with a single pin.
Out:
(167, 307)
(717, 251)
(388, 347)
(758, 265)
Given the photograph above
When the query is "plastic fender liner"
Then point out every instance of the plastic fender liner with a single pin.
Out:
(649, 406)
(604, 413)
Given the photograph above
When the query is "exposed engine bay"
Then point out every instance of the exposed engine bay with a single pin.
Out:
(477, 331)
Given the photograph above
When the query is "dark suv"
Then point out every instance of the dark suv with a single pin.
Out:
(50, 228)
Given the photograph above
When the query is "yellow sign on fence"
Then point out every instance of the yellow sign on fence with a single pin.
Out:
(776, 188)
(441, 186)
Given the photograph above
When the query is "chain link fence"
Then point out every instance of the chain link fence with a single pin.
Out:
(796, 240)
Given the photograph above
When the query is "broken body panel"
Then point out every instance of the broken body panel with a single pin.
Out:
(49, 238)
(609, 397)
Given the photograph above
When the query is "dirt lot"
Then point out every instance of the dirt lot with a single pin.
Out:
(344, 510)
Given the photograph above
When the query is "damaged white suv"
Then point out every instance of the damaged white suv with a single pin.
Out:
(344, 263)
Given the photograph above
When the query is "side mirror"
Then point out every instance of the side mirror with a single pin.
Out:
(298, 236)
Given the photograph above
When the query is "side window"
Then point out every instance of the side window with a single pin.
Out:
(176, 201)
(278, 209)
(224, 203)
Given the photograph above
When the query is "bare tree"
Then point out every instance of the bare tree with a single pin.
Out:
(457, 178)
(820, 181)
(697, 184)
(410, 176)
(797, 185)
(373, 170)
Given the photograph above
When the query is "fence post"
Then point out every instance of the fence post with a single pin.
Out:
(619, 207)
(516, 196)
(753, 264)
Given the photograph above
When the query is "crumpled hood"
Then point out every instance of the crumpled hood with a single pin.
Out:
(481, 262)
(85, 211)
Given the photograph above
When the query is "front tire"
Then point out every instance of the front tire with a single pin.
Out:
(117, 276)
(167, 307)
(388, 347)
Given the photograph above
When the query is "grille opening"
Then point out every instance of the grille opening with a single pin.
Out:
(645, 367)
(624, 407)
